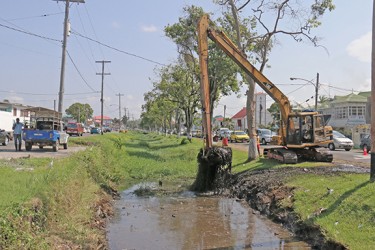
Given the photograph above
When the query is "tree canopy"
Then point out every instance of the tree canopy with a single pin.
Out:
(80, 112)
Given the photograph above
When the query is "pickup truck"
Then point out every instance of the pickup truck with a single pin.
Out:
(46, 129)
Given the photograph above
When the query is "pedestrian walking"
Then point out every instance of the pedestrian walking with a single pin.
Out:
(17, 134)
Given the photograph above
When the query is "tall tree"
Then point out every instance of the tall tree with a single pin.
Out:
(222, 71)
(80, 112)
(157, 110)
(271, 18)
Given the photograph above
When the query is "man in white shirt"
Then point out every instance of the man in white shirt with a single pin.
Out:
(17, 134)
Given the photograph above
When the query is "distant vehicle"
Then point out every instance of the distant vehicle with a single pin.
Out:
(265, 135)
(340, 141)
(86, 129)
(4, 137)
(74, 128)
(238, 136)
(107, 129)
(96, 131)
(366, 143)
(223, 133)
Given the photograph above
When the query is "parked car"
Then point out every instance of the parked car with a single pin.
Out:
(265, 135)
(238, 136)
(223, 133)
(74, 128)
(4, 137)
(96, 131)
(107, 129)
(340, 141)
(366, 143)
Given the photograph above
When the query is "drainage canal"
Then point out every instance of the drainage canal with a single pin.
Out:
(188, 221)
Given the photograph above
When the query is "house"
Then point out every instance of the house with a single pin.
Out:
(240, 120)
(348, 111)
(217, 121)
(262, 115)
(10, 111)
(107, 121)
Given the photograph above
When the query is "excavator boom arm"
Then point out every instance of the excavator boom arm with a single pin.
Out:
(237, 56)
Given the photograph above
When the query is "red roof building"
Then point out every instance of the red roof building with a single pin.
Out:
(240, 120)
(106, 120)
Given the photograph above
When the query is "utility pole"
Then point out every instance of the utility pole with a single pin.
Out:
(66, 33)
(119, 110)
(316, 92)
(101, 96)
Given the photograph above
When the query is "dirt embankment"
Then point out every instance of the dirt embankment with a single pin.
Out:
(264, 190)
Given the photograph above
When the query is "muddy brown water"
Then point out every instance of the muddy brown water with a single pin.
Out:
(188, 221)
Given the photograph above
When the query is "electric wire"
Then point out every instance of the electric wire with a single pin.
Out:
(89, 45)
(80, 74)
(118, 50)
(30, 33)
(46, 94)
(32, 17)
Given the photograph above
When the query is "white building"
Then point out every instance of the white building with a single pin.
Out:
(9, 112)
(347, 111)
(262, 116)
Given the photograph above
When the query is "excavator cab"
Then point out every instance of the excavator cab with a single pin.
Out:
(307, 129)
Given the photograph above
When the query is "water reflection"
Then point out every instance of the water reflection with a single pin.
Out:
(186, 221)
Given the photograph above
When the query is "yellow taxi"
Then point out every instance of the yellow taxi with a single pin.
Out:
(238, 136)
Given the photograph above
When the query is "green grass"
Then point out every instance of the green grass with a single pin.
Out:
(349, 215)
(60, 201)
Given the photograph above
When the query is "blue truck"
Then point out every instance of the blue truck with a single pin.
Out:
(46, 128)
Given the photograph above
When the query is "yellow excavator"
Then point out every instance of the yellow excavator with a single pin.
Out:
(301, 134)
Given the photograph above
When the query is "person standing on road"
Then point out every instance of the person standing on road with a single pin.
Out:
(17, 134)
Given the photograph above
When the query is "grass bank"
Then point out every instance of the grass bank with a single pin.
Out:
(51, 203)
(342, 205)
(47, 204)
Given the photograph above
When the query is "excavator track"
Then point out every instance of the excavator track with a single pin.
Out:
(317, 154)
(283, 155)
(292, 156)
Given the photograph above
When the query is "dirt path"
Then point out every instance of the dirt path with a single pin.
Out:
(8, 152)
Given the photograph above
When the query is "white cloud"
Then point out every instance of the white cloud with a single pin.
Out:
(361, 48)
(149, 28)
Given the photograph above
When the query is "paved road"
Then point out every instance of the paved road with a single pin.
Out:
(353, 156)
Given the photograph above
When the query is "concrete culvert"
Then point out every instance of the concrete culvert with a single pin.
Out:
(214, 166)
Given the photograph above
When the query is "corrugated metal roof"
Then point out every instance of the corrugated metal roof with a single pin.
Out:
(349, 98)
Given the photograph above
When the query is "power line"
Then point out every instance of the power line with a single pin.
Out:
(75, 66)
(32, 17)
(36, 94)
(30, 33)
(118, 50)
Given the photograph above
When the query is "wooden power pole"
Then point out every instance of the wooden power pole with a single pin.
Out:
(101, 96)
(66, 34)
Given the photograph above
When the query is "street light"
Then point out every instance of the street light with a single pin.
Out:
(316, 85)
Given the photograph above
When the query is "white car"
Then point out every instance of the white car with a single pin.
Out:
(340, 141)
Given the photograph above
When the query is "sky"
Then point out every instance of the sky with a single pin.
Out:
(130, 35)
